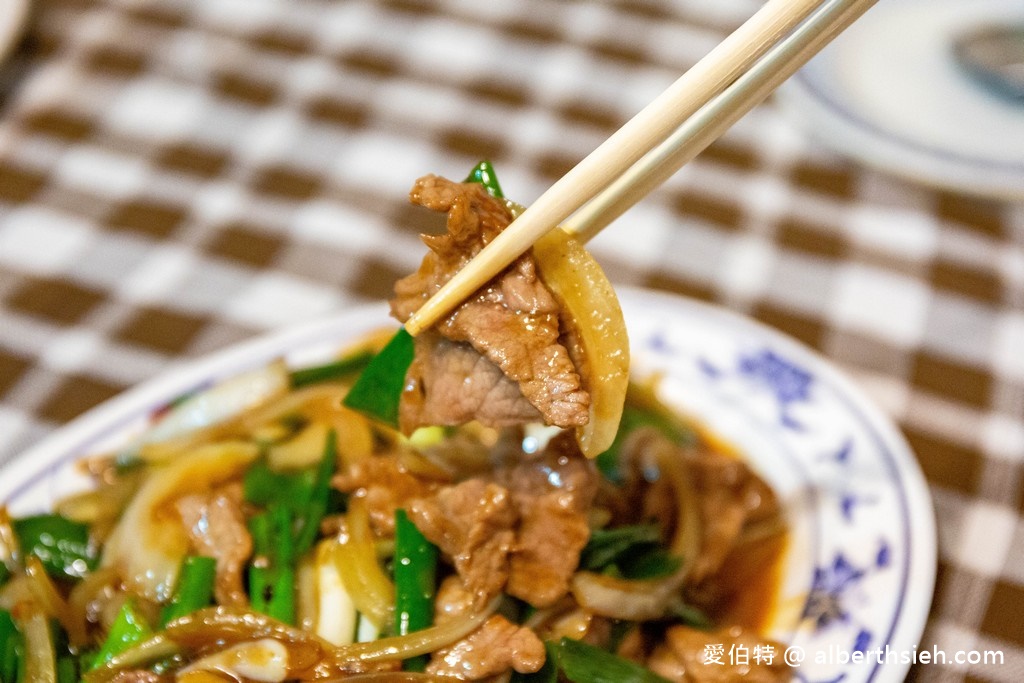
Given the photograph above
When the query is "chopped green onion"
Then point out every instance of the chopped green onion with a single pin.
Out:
(67, 669)
(10, 648)
(194, 589)
(62, 545)
(313, 509)
(415, 566)
(583, 663)
(631, 551)
(484, 174)
(338, 369)
(378, 389)
(272, 576)
(129, 628)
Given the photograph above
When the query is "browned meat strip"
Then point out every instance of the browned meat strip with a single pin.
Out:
(216, 527)
(512, 323)
(473, 523)
(386, 485)
(731, 496)
(733, 655)
(553, 494)
(494, 648)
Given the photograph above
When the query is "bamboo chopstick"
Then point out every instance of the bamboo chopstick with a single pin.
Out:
(781, 28)
(718, 115)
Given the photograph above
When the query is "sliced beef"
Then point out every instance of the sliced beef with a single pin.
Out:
(473, 523)
(386, 485)
(497, 646)
(216, 528)
(512, 325)
(731, 496)
(689, 655)
(553, 495)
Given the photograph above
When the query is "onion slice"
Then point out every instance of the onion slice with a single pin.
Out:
(596, 321)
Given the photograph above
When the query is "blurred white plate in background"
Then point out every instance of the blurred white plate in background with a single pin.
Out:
(890, 93)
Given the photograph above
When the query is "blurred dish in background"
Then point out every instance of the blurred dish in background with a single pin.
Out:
(891, 93)
(13, 16)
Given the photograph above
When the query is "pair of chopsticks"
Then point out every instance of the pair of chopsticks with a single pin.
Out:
(693, 112)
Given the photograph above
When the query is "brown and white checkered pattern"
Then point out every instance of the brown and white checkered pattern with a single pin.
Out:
(177, 176)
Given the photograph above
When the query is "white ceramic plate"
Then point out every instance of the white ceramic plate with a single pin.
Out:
(860, 568)
(889, 93)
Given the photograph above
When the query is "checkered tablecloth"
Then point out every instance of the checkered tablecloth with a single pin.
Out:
(178, 176)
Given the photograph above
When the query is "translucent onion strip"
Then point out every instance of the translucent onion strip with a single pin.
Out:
(416, 643)
(40, 658)
(355, 556)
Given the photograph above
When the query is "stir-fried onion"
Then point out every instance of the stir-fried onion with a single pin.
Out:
(355, 556)
(418, 642)
(641, 600)
(40, 659)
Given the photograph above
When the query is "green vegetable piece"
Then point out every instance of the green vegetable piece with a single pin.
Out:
(583, 663)
(10, 648)
(415, 567)
(484, 174)
(129, 628)
(632, 552)
(194, 589)
(5, 573)
(67, 669)
(692, 616)
(338, 369)
(378, 389)
(61, 544)
(314, 507)
(272, 580)
(265, 487)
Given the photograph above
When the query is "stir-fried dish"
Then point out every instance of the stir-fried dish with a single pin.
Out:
(492, 501)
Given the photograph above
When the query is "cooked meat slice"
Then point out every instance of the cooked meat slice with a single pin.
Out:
(386, 485)
(464, 386)
(513, 322)
(216, 528)
(497, 646)
(688, 655)
(472, 523)
(553, 494)
(731, 496)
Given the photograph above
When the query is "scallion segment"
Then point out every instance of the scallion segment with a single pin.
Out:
(129, 628)
(62, 545)
(483, 173)
(339, 369)
(415, 567)
(378, 389)
(194, 589)
(584, 663)
(10, 648)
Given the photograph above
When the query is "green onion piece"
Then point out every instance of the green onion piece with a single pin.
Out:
(265, 487)
(583, 663)
(313, 509)
(10, 648)
(631, 551)
(272, 577)
(415, 567)
(61, 544)
(67, 669)
(378, 389)
(129, 628)
(484, 174)
(5, 573)
(194, 589)
(692, 616)
(338, 369)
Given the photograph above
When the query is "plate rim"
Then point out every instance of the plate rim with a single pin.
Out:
(73, 439)
(835, 124)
